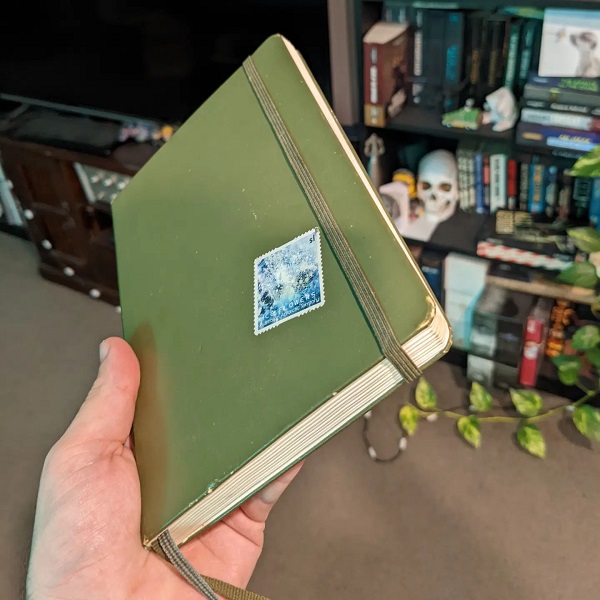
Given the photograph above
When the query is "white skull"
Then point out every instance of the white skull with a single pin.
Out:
(437, 185)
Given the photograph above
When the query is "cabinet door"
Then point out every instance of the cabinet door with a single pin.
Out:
(54, 204)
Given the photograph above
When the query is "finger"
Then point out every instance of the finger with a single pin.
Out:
(259, 506)
(107, 412)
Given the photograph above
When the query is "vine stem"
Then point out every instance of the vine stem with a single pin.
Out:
(502, 419)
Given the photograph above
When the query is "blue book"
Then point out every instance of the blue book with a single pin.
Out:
(594, 210)
(480, 207)
(536, 201)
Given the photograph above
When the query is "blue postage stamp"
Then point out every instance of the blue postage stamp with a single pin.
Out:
(288, 281)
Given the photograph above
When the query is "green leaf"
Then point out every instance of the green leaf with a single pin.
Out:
(409, 418)
(531, 439)
(568, 368)
(425, 396)
(587, 420)
(480, 398)
(586, 239)
(528, 403)
(588, 165)
(586, 337)
(582, 274)
(469, 429)
(593, 355)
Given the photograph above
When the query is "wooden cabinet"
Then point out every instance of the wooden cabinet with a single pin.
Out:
(71, 228)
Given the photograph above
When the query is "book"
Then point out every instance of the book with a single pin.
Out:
(486, 179)
(566, 90)
(567, 120)
(453, 69)
(480, 207)
(594, 208)
(551, 191)
(581, 198)
(417, 70)
(534, 342)
(569, 43)
(560, 107)
(434, 26)
(498, 180)
(531, 134)
(246, 296)
(385, 71)
(529, 34)
(512, 185)
(525, 167)
(475, 46)
(512, 58)
(536, 199)
(497, 26)
(432, 265)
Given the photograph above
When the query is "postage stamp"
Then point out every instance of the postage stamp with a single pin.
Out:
(288, 281)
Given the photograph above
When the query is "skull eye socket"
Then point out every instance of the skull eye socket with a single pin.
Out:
(445, 187)
(425, 185)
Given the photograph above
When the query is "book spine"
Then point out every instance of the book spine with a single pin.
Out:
(510, 75)
(373, 88)
(560, 107)
(564, 195)
(537, 46)
(524, 186)
(498, 189)
(581, 198)
(417, 85)
(551, 192)
(511, 184)
(454, 37)
(526, 50)
(533, 348)
(496, 64)
(536, 188)
(550, 118)
(594, 210)
(394, 14)
(530, 134)
(463, 179)
(479, 191)
(486, 181)
(475, 50)
(433, 58)
(563, 96)
(582, 85)
(471, 179)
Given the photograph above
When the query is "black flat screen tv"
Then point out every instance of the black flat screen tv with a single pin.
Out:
(156, 60)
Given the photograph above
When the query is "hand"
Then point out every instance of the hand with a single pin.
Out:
(86, 538)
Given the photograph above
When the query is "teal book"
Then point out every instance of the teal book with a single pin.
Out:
(265, 290)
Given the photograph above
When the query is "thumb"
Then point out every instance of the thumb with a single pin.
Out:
(107, 412)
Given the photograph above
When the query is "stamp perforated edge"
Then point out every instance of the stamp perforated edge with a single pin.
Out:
(304, 311)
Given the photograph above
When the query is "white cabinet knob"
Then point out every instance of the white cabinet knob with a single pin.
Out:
(28, 214)
(47, 244)
(94, 293)
(68, 271)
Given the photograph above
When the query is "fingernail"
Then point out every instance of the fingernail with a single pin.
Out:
(272, 492)
(103, 351)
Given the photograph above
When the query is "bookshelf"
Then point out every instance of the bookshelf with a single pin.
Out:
(414, 123)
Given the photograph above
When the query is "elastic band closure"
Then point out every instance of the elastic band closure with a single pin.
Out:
(378, 321)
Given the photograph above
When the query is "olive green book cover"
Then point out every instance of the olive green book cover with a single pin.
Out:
(251, 250)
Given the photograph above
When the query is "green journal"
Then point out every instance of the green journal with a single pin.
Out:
(267, 294)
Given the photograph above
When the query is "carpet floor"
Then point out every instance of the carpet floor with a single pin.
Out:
(443, 522)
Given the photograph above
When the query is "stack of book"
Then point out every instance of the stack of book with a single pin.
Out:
(466, 54)
(560, 113)
(491, 177)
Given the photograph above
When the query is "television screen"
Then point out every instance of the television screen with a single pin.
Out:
(158, 59)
